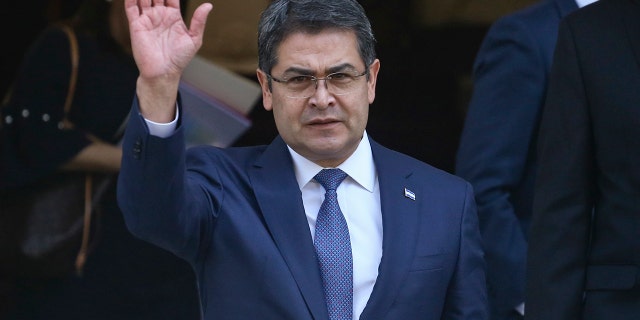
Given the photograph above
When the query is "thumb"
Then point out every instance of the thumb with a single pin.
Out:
(199, 20)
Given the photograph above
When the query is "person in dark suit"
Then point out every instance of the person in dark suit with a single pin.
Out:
(584, 246)
(252, 220)
(497, 146)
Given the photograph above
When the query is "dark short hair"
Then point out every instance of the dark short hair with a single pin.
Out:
(284, 17)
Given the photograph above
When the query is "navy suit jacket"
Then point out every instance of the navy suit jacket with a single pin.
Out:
(237, 216)
(497, 147)
(584, 253)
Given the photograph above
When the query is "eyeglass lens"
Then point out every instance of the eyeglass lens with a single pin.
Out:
(305, 86)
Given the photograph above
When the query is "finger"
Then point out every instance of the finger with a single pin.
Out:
(173, 3)
(199, 19)
(158, 3)
(132, 9)
(144, 4)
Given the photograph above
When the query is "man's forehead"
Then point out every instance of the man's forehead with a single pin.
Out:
(313, 33)
(324, 51)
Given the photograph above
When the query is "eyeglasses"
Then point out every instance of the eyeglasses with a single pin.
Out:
(304, 86)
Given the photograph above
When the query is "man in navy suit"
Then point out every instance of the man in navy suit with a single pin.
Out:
(246, 218)
(497, 147)
(584, 249)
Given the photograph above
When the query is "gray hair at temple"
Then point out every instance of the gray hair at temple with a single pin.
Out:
(285, 17)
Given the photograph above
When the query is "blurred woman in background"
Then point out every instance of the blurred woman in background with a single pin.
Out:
(124, 277)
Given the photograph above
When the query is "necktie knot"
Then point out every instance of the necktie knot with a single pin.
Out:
(330, 179)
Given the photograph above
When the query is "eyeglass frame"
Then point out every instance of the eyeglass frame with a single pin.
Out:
(315, 79)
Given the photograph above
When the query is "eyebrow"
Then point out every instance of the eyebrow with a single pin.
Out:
(308, 72)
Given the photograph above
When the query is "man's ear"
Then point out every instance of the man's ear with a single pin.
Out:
(266, 90)
(373, 78)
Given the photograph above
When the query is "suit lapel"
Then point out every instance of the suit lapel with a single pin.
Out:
(280, 200)
(632, 23)
(399, 224)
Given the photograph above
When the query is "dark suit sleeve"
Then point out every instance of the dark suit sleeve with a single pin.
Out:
(467, 297)
(495, 151)
(160, 204)
(559, 235)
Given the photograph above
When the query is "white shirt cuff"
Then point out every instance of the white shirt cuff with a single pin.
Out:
(163, 130)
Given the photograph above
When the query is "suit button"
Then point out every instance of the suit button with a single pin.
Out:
(137, 149)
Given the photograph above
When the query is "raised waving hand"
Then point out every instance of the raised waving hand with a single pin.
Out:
(162, 47)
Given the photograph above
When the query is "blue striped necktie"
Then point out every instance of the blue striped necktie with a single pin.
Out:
(333, 248)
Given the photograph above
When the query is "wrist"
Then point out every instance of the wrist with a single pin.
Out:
(157, 97)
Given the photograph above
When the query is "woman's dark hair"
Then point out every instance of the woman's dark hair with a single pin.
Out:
(92, 16)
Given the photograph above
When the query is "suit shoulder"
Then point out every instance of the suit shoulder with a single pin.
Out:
(600, 13)
(536, 20)
(423, 170)
(601, 21)
(534, 12)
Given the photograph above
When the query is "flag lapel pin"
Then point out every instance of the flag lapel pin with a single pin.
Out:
(409, 194)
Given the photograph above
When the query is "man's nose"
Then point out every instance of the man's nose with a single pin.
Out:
(322, 98)
(319, 86)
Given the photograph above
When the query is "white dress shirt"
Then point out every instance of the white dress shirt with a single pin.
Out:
(359, 200)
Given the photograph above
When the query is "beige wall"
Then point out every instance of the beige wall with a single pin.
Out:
(231, 33)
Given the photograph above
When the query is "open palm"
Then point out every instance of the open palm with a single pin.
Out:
(162, 44)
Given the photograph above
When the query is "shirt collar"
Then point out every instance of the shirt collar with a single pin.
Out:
(359, 166)
(582, 3)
